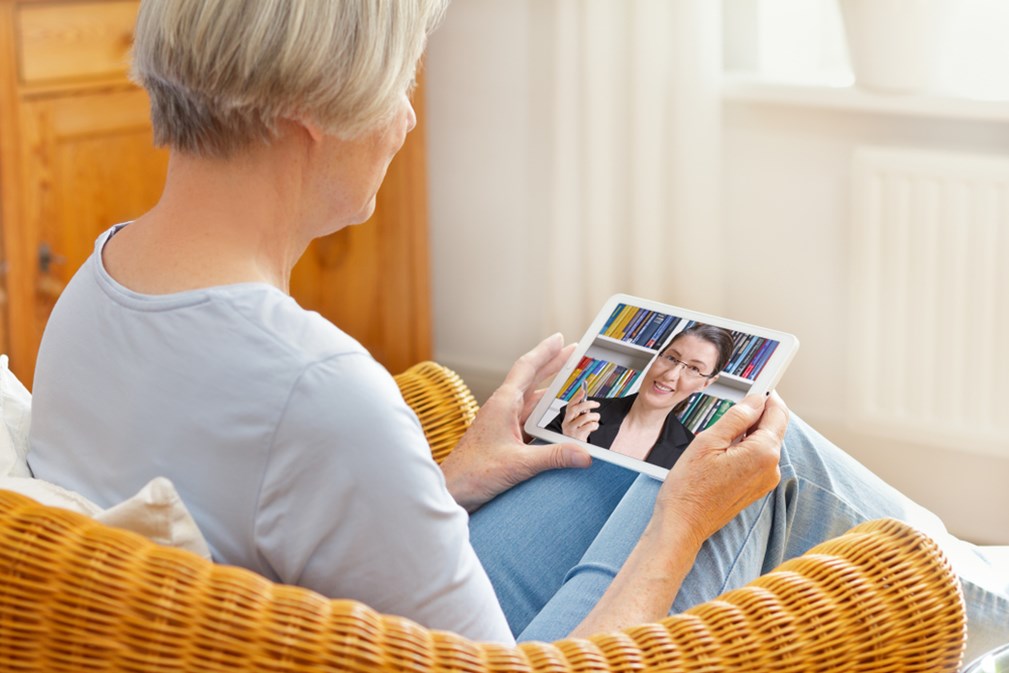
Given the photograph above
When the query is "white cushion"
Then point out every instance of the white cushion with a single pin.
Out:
(16, 414)
(156, 511)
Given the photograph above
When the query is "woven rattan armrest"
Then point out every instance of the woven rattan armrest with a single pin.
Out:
(442, 402)
(76, 595)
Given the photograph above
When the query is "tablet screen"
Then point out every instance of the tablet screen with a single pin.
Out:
(646, 377)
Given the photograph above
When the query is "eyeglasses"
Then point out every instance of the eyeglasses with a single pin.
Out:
(669, 362)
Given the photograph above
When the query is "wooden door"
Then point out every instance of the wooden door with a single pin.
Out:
(87, 163)
(4, 340)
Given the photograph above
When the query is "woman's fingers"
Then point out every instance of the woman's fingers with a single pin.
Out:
(492, 455)
(554, 456)
(529, 403)
(738, 419)
(579, 422)
(584, 420)
(774, 420)
(715, 479)
(763, 414)
(575, 410)
(545, 360)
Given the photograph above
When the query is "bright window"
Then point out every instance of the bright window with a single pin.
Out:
(803, 41)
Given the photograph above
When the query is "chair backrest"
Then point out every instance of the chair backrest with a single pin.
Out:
(76, 595)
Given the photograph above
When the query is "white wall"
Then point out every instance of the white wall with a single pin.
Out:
(785, 212)
(483, 155)
(572, 144)
(786, 194)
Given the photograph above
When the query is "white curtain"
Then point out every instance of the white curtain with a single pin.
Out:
(631, 96)
(573, 152)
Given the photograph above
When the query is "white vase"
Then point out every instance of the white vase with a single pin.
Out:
(897, 45)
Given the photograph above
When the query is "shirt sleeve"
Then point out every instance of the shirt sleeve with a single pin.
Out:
(353, 506)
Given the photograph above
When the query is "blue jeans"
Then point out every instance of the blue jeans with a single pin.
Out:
(552, 545)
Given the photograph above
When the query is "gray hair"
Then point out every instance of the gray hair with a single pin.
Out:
(221, 73)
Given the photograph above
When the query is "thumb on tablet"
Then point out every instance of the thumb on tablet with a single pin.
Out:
(738, 419)
(543, 457)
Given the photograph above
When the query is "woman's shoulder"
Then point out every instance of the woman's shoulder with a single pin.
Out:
(278, 318)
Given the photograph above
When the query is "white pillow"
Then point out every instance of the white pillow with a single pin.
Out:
(156, 511)
(16, 414)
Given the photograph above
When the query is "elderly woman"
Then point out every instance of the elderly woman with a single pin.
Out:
(176, 351)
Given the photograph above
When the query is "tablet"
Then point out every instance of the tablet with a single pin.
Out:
(672, 370)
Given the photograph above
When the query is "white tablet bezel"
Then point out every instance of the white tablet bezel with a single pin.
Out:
(767, 379)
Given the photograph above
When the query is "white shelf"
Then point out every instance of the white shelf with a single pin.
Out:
(625, 347)
(749, 89)
(733, 381)
(729, 380)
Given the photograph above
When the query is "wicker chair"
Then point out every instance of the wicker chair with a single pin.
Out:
(76, 595)
(442, 402)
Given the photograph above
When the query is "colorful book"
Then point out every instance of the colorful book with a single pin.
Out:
(666, 332)
(618, 327)
(757, 365)
(649, 330)
(702, 411)
(738, 362)
(601, 377)
(656, 339)
(613, 317)
(632, 326)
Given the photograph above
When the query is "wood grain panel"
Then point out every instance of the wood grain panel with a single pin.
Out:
(10, 185)
(88, 163)
(74, 40)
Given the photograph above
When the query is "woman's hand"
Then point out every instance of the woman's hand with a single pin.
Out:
(492, 456)
(709, 485)
(579, 420)
(716, 479)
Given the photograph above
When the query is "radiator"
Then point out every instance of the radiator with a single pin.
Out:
(929, 317)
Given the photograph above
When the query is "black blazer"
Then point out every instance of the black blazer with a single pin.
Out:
(672, 442)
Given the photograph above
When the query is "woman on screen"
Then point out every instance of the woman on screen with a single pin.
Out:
(644, 425)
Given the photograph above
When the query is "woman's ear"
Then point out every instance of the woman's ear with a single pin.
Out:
(708, 382)
(307, 126)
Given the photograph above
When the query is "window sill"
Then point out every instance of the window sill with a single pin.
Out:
(745, 88)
